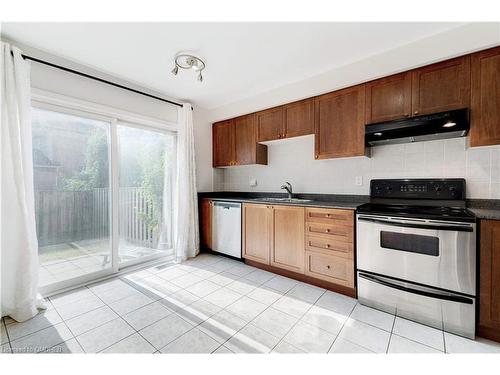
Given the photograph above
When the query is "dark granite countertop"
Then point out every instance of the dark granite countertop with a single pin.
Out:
(488, 209)
(482, 208)
(350, 202)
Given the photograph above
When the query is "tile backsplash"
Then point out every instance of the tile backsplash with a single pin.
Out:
(293, 160)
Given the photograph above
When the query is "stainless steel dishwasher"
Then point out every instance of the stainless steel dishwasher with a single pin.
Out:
(226, 228)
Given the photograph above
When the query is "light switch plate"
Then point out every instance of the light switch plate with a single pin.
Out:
(358, 181)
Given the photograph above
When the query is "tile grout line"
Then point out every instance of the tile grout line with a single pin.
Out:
(298, 320)
(390, 337)
(341, 328)
(119, 317)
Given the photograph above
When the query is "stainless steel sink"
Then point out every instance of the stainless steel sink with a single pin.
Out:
(284, 200)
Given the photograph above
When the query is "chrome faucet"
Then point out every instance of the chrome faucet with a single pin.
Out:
(288, 187)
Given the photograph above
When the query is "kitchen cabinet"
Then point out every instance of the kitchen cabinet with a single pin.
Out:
(287, 250)
(291, 120)
(279, 236)
(274, 235)
(235, 143)
(489, 279)
(441, 87)
(257, 232)
(485, 98)
(330, 245)
(206, 223)
(388, 98)
(340, 123)
(299, 118)
(270, 124)
(223, 143)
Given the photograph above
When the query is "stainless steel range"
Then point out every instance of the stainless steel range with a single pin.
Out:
(416, 252)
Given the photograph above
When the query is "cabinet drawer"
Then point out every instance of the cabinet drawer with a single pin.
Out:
(341, 233)
(340, 248)
(330, 268)
(330, 216)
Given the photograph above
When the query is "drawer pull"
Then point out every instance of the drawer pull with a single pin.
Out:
(327, 245)
(328, 215)
(328, 266)
(327, 230)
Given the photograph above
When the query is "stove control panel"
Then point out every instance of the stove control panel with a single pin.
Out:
(445, 189)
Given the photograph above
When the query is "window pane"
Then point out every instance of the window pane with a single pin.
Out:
(72, 196)
(146, 185)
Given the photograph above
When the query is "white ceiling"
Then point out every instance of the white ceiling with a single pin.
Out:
(243, 59)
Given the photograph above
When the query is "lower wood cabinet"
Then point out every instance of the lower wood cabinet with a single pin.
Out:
(274, 235)
(257, 232)
(288, 238)
(206, 224)
(315, 242)
(329, 267)
(489, 279)
(330, 245)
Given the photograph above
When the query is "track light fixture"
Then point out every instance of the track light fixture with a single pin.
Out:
(188, 61)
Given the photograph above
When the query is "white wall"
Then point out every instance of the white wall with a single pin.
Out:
(293, 160)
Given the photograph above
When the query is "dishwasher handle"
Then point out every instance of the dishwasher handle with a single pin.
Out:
(227, 205)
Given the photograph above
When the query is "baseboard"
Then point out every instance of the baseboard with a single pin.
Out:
(351, 292)
(489, 333)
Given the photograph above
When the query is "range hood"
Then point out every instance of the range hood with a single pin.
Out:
(450, 124)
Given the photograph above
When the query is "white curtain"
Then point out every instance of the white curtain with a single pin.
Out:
(186, 232)
(18, 242)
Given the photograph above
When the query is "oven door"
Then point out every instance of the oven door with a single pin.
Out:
(435, 253)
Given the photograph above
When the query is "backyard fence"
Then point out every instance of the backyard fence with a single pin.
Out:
(70, 216)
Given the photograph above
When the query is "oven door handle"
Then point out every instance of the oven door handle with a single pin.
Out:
(436, 294)
(454, 228)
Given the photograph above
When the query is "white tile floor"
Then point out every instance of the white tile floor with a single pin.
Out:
(216, 305)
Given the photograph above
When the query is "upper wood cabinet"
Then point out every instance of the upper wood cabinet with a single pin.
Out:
(270, 124)
(340, 123)
(299, 118)
(489, 279)
(441, 87)
(485, 98)
(235, 143)
(388, 98)
(257, 232)
(286, 121)
(223, 152)
(287, 251)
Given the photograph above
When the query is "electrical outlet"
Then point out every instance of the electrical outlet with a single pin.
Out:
(253, 182)
(358, 181)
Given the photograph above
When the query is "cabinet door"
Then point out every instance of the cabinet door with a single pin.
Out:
(288, 240)
(489, 279)
(206, 223)
(340, 123)
(270, 124)
(441, 87)
(299, 118)
(388, 98)
(485, 98)
(245, 141)
(223, 143)
(257, 232)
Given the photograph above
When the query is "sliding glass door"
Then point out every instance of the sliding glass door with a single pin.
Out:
(103, 194)
(72, 197)
(146, 166)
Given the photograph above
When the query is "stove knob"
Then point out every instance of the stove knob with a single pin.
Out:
(437, 188)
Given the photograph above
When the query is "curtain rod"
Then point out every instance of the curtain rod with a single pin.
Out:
(26, 57)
